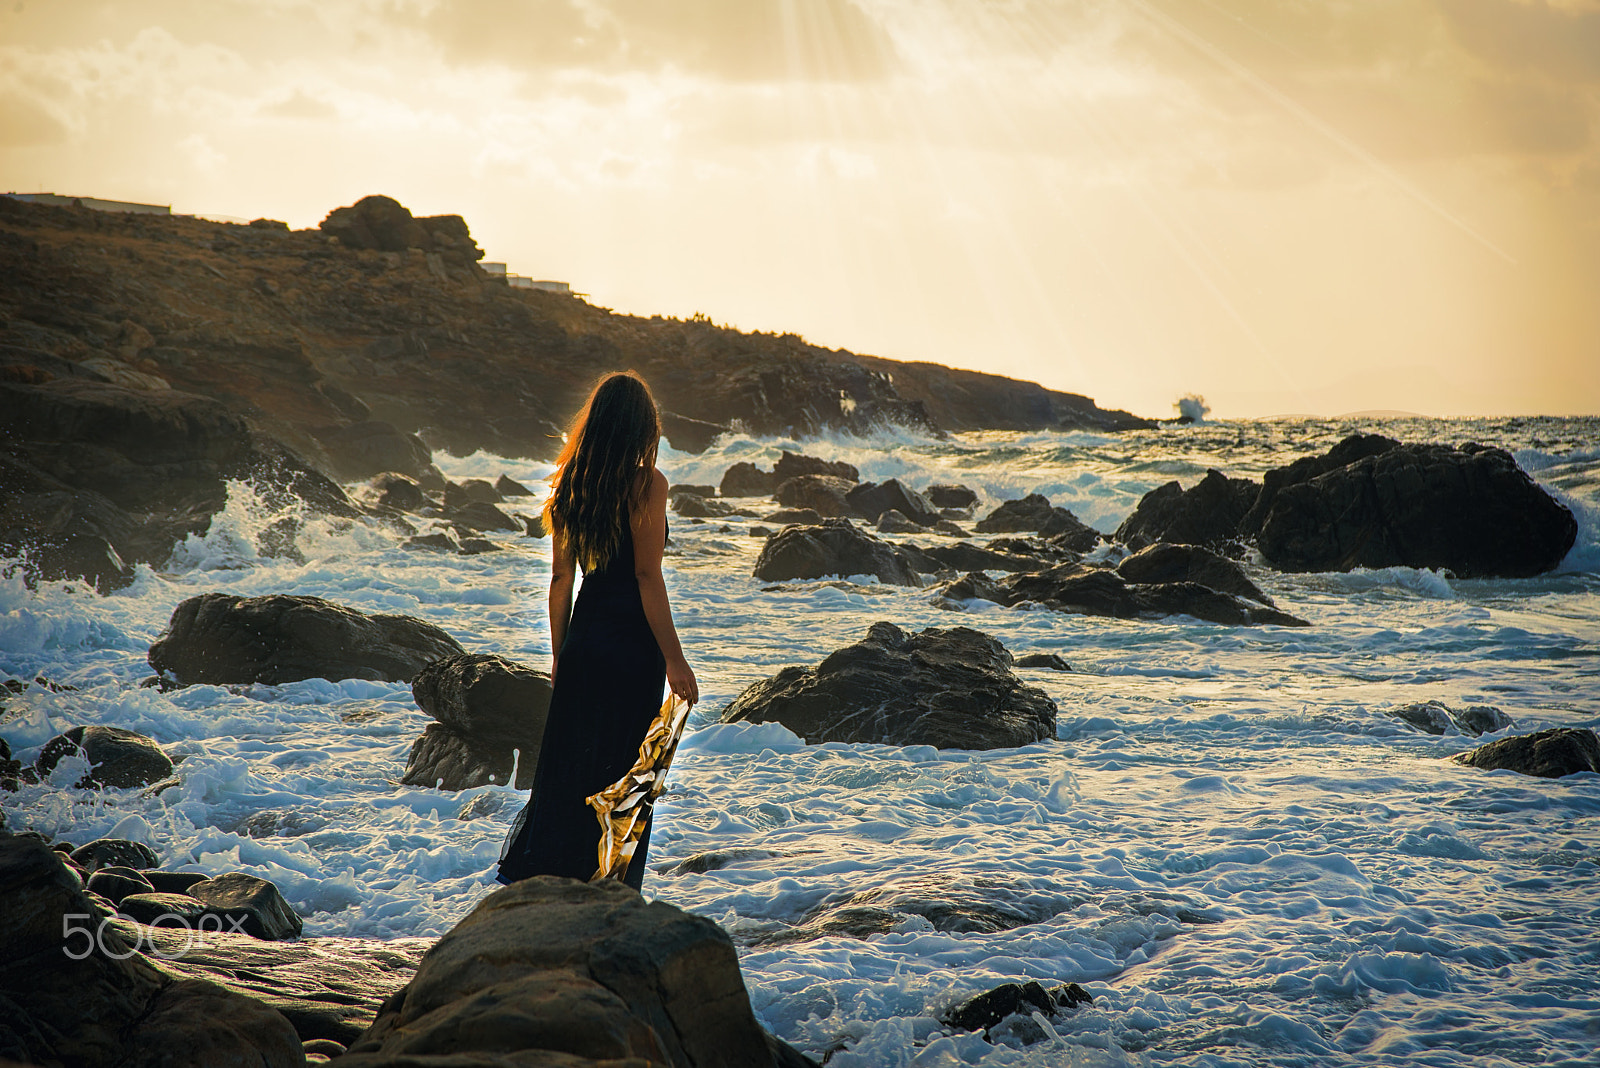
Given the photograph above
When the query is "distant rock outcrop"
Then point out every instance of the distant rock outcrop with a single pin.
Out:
(834, 547)
(220, 638)
(489, 710)
(383, 224)
(951, 688)
(1549, 754)
(1471, 511)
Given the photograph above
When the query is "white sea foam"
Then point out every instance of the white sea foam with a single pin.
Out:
(1230, 842)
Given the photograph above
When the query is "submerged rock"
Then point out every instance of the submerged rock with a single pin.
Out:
(220, 638)
(1209, 513)
(1549, 754)
(988, 1010)
(834, 547)
(489, 710)
(1436, 717)
(117, 757)
(584, 970)
(1471, 511)
(951, 688)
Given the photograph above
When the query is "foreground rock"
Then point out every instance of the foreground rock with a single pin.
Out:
(951, 688)
(1210, 513)
(1549, 754)
(490, 714)
(1471, 511)
(1099, 591)
(834, 547)
(117, 757)
(220, 638)
(1034, 514)
(586, 971)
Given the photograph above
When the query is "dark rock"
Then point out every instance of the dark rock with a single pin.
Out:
(1549, 753)
(1429, 717)
(832, 547)
(951, 528)
(1102, 592)
(437, 542)
(965, 556)
(1210, 513)
(474, 546)
(62, 557)
(510, 487)
(825, 494)
(172, 882)
(716, 860)
(951, 688)
(585, 969)
(1164, 562)
(942, 495)
(765, 532)
(954, 906)
(693, 506)
(383, 223)
(248, 904)
(115, 882)
(794, 464)
(487, 804)
(479, 516)
(791, 516)
(1049, 661)
(745, 479)
(871, 499)
(1352, 449)
(536, 527)
(114, 852)
(893, 522)
(690, 435)
(220, 638)
(156, 909)
(118, 758)
(691, 487)
(268, 224)
(460, 494)
(1481, 719)
(1035, 514)
(194, 1023)
(391, 489)
(362, 450)
(1471, 511)
(983, 1012)
(489, 710)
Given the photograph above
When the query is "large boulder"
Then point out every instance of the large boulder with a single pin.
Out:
(745, 479)
(794, 464)
(1208, 513)
(490, 714)
(1549, 754)
(965, 556)
(1099, 591)
(1354, 448)
(248, 904)
(574, 970)
(117, 757)
(1162, 562)
(951, 688)
(221, 638)
(869, 500)
(1471, 511)
(948, 495)
(383, 223)
(825, 494)
(834, 547)
(1034, 514)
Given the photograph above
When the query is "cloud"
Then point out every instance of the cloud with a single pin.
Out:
(26, 123)
(299, 105)
(1530, 35)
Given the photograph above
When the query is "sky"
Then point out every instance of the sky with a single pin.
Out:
(1286, 206)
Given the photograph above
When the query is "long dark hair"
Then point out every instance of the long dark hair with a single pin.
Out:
(597, 482)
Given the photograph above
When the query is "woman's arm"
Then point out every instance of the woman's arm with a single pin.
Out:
(649, 523)
(563, 570)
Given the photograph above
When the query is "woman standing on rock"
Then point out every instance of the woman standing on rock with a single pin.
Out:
(607, 513)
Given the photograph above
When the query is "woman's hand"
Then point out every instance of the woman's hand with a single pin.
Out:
(680, 676)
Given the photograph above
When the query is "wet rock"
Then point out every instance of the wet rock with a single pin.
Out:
(438, 541)
(790, 516)
(1436, 717)
(475, 546)
(832, 547)
(984, 1012)
(489, 710)
(824, 494)
(1352, 449)
(220, 638)
(482, 805)
(114, 852)
(586, 970)
(1100, 591)
(510, 487)
(745, 479)
(479, 516)
(982, 905)
(716, 860)
(1165, 562)
(695, 488)
(1048, 661)
(1471, 511)
(248, 904)
(964, 556)
(362, 450)
(172, 882)
(871, 499)
(1210, 513)
(115, 882)
(951, 688)
(459, 494)
(794, 464)
(391, 489)
(692, 506)
(1481, 719)
(1035, 514)
(194, 1023)
(155, 908)
(68, 557)
(536, 527)
(892, 522)
(687, 434)
(943, 495)
(950, 528)
(118, 758)
(1549, 754)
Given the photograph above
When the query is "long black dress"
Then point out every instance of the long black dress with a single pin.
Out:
(609, 685)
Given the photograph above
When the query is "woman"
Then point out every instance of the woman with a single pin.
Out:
(607, 513)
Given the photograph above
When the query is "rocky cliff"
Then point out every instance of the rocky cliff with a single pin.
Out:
(344, 340)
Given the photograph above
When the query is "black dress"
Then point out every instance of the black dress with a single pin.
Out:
(610, 678)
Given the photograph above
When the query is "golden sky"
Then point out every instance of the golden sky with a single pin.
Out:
(1286, 205)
